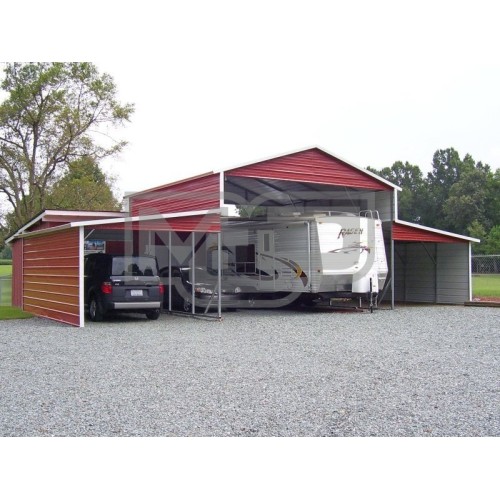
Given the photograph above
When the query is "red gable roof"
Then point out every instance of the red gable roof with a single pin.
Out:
(312, 165)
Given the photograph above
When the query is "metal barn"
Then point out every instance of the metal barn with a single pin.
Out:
(426, 265)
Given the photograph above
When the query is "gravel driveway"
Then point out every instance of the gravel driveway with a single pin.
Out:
(414, 371)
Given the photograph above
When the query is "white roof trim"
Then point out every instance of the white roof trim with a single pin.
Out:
(140, 218)
(118, 220)
(438, 231)
(47, 230)
(69, 213)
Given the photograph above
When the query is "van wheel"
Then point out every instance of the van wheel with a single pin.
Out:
(154, 314)
(186, 306)
(95, 310)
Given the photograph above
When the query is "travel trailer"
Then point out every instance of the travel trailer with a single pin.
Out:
(308, 258)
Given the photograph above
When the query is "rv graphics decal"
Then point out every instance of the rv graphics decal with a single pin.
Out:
(353, 248)
(349, 230)
(299, 273)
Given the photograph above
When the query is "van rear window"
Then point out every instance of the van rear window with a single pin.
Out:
(134, 266)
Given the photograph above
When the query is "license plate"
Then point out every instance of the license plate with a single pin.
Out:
(136, 293)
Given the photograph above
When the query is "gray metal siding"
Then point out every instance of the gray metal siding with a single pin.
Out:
(431, 272)
(452, 273)
(415, 273)
(384, 202)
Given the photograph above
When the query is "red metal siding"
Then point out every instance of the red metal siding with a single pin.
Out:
(313, 166)
(209, 223)
(199, 193)
(51, 276)
(115, 247)
(401, 232)
(17, 273)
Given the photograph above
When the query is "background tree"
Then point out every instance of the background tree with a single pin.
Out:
(249, 211)
(477, 230)
(54, 114)
(492, 242)
(492, 202)
(410, 179)
(458, 195)
(467, 198)
(84, 185)
(446, 170)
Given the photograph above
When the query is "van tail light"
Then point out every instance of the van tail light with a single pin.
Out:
(107, 287)
(162, 288)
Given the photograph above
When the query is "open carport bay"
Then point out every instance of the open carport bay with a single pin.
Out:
(414, 371)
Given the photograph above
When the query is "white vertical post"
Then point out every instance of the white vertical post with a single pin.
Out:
(219, 272)
(170, 271)
(393, 278)
(81, 277)
(193, 274)
(470, 271)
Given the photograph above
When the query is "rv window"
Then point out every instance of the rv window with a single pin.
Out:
(266, 244)
(245, 259)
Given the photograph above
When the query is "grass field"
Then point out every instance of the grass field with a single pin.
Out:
(9, 312)
(5, 285)
(6, 310)
(6, 270)
(486, 285)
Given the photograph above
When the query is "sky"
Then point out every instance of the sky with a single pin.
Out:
(221, 84)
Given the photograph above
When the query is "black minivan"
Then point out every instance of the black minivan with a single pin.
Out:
(126, 283)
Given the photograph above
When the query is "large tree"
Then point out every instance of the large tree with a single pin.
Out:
(467, 198)
(447, 170)
(54, 114)
(84, 185)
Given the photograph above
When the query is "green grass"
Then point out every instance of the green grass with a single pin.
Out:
(5, 289)
(9, 312)
(486, 285)
(5, 270)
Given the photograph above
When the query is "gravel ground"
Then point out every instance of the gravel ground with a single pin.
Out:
(414, 371)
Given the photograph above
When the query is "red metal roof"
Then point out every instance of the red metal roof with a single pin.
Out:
(314, 166)
(53, 218)
(406, 231)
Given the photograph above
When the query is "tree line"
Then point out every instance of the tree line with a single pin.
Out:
(458, 195)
